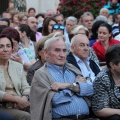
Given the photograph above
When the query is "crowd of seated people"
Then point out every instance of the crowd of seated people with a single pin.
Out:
(57, 68)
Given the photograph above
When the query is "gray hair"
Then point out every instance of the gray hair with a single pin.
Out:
(102, 9)
(101, 18)
(77, 28)
(49, 10)
(86, 14)
(48, 43)
(73, 40)
(71, 18)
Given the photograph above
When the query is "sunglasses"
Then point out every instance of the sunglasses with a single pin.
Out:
(57, 26)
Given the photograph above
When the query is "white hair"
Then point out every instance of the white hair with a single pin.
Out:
(71, 18)
(48, 43)
(73, 40)
(101, 18)
(102, 9)
(86, 14)
(77, 28)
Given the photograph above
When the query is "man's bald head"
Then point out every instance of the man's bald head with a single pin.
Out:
(32, 23)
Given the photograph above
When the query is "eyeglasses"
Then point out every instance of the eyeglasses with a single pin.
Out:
(58, 26)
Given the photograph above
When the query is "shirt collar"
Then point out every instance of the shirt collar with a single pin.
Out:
(53, 66)
(30, 43)
(79, 60)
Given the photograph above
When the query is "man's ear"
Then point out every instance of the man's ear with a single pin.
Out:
(72, 48)
(46, 53)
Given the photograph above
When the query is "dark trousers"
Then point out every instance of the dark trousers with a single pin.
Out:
(113, 117)
(4, 116)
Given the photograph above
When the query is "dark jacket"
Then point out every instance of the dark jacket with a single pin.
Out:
(31, 70)
(94, 67)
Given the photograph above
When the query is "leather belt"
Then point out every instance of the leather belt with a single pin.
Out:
(77, 117)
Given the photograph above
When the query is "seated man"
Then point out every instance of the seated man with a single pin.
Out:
(106, 98)
(79, 57)
(58, 88)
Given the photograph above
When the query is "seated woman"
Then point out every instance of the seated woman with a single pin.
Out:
(106, 97)
(41, 59)
(14, 89)
(27, 41)
(105, 40)
(18, 54)
(94, 36)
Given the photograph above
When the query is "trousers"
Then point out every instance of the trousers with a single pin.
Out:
(16, 114)
(4, 116)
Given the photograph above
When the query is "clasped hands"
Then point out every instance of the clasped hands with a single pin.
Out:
(21, 103)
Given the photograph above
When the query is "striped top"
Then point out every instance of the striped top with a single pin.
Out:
(63, 102)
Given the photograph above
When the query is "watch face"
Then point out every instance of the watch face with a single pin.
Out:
(89, 79)
(74, 84)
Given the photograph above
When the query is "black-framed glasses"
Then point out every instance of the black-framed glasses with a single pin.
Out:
(58, 26)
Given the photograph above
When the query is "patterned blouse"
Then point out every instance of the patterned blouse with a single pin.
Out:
(106, 93)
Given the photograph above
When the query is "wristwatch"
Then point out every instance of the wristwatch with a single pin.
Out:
(89, 79)
(74, 85)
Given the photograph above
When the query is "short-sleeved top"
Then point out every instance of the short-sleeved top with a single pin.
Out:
(106, 93)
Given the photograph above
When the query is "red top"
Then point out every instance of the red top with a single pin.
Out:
(100, 50)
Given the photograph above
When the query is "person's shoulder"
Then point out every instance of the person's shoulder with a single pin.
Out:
(36, 65)
(16, 64)
(102, 75)
(96, 44)
(42, 69)
(70, 56)
(113, 41)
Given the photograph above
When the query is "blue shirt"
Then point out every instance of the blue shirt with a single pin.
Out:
(63, 102)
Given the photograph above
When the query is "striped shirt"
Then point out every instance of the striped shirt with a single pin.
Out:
(115, 30)
(63, 102)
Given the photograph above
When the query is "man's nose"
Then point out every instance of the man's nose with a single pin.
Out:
(62, 53)
(86, 47)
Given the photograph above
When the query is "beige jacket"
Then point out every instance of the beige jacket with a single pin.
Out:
(18, 78)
